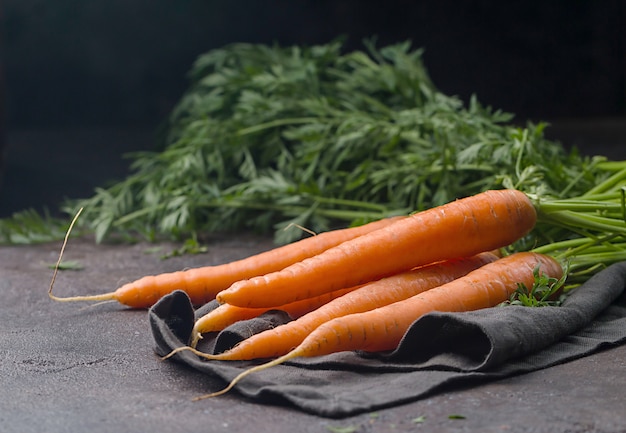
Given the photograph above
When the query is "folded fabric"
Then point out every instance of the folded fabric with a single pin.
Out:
(439, 350)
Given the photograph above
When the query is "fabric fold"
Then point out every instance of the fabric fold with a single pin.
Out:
(439, 351)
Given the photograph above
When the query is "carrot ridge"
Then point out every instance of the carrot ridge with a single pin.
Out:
(462, 228)
(382, 328)
(226, 314)
(203, 283)
(485, 287)
(280, 340)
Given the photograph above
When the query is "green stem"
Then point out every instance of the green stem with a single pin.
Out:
(291, 210)
(575, 246)
(607, 258)
(608, 184)
(275, 123)
(578, 221)
(350, 203)
(599, 197)
(581, 206)
(611, 165)
(594, 165)
(137, 214)
(377, 211)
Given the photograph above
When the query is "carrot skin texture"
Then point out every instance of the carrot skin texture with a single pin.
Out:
(202, 284)
(383, 328)
(225, 314)
(280, 340)
(462, 228)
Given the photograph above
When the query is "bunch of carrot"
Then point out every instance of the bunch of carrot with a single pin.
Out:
(438, 260)
(361, 288)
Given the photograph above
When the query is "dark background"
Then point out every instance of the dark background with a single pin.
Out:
(86, 81)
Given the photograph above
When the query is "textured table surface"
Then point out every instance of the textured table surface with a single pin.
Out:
(80, 367)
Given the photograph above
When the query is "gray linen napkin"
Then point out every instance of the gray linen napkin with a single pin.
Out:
(439, 351)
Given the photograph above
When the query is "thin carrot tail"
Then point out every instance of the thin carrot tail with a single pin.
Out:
(293, 354)
(196, 336)
(102, 297)
(193, 350)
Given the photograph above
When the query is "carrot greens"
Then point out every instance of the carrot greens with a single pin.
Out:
(68, 265)
(267, 136)
(543, 292)
(29, 226)
(320, 137)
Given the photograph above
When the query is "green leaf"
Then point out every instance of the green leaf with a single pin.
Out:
(68, 265)
(190, 246)
(347, 429)
(31, 227)
(268, 135)
(542, 293)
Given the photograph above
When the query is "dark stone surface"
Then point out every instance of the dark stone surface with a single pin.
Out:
(80, 367)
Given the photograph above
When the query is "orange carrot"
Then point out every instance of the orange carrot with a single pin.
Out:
(202, 284)
(225, 314)
(382, 329)
(280, 340)
(462, 228)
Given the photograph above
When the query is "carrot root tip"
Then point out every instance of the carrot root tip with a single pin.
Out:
(190, 349)
(249, 371)
(195, 338)
(174, 352)
(105, 297)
